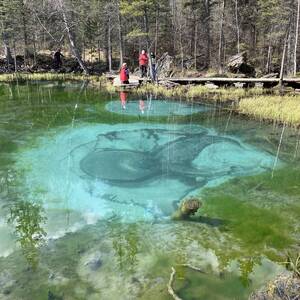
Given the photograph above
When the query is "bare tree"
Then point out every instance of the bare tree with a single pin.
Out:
(296, 38)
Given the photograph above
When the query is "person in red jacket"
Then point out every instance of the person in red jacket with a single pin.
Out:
(124, 74)
(143, 62)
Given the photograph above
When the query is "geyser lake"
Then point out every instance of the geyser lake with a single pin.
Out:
(89, 182)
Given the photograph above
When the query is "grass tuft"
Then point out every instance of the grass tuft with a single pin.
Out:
(285, 109)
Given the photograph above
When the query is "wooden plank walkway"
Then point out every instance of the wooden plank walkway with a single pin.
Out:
(219, 81)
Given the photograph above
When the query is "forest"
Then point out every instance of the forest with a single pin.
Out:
(200, 34)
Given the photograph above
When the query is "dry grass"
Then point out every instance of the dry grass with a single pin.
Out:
(201, 91)
(285, 109)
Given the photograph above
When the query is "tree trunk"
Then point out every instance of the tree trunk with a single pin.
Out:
(109, 44)
(72, 41)
(25, 36)
(156, 29)
(237, 25)
(7, 51)
(269, 59)
(99, 51)
(15, 57)
(207, 25)
(195, 45)
(221, 39)
(146, 25)
(296, 39)
(283, 61)
(121, 45)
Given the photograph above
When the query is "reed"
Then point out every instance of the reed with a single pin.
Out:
(200, 91)
(285, 109)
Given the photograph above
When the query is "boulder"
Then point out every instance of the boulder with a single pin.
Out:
(238, 64)
(187, 208)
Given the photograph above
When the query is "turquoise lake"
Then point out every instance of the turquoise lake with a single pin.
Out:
(89, 182)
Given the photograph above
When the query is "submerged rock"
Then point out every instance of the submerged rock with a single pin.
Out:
(94, 261)
(187, 208)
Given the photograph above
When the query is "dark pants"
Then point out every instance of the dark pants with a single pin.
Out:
(143, 70)
(153, 72)
(125, 82)
(57, 64)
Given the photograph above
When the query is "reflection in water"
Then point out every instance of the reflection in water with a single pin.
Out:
(151, 107)
(27, 218)
(123, 99)
(142, 106)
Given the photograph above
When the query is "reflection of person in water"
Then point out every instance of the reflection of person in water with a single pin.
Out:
(142, 106)
(123, 98)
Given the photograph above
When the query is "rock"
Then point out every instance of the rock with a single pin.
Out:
(283, 287)
(211, 85)
(187, 208)
(238, 64)
(94, 262)
(165, 65)
(190, 206)
(6, 281)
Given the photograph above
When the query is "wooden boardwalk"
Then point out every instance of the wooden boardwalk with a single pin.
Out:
(219, 81)
(223, 81)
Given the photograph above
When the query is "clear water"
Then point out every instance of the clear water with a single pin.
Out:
(148, 107)
(87, 197)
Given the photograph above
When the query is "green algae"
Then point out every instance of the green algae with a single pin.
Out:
(255, 211)
(255, 227)
(195, 285)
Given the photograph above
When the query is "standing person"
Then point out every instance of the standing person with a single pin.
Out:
(143, 62)
(124, 74)
(57, 59)
(153, 66)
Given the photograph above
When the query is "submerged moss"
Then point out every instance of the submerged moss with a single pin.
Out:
(255, 210)
(255, 227)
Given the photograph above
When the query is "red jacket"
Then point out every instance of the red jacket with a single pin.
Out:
(124, 74)
(143, 59)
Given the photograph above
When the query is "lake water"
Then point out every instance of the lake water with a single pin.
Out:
(89, 183)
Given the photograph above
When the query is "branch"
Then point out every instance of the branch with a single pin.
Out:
(170, 285)
(47, 31)
(193, 268)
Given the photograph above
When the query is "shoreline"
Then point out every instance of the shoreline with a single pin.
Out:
(258, 103)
